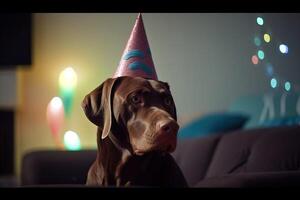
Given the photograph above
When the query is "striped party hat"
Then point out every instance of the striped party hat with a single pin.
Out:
(137, 60)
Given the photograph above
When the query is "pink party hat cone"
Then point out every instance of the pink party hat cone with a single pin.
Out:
(137, 60)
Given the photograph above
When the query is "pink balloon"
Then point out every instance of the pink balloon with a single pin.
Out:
(55, 116)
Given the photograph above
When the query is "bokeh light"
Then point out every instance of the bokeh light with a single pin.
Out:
(68, 79)
(287, 86)
(267, 37)
(72, 141)
(56, 104)
(257, 41)
(273, 83)
(259, 21)
(261, 54)
(67, 84)
(269, 69)
(283, 48)
(55, 118)
(254, 60)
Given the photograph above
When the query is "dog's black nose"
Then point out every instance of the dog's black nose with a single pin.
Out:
(170, 126)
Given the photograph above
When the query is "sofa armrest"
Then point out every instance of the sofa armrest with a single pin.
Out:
(253, 179)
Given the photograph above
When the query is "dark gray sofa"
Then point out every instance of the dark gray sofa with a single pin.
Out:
(265, 157)
(244, 158)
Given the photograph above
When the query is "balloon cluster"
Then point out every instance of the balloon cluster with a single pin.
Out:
(60, 107)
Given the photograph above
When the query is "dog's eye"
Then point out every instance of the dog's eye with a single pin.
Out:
(168, 101)
(136, 99)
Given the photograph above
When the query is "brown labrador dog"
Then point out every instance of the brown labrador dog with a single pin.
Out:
(137, 130)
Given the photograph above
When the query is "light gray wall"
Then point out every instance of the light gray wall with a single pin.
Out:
(206, 57)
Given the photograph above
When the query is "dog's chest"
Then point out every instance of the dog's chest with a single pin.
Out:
(143, 171)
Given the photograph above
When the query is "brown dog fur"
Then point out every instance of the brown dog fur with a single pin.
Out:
(137, 130)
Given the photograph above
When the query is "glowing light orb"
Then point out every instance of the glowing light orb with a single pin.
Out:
(55, 118)
(254, 60)
(287, 86)
(257, 41)
(67, 84)
(68, 79)
(273, 83)
(260, 21)
(56, 104)
(72, 141)
(55, 114)
(283, 48)
(261, 54)
(269, 69)
(267, 38)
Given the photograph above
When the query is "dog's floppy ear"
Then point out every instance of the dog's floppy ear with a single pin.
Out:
(97, 106)
(174, 108)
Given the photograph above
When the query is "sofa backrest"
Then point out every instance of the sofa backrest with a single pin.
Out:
(194, 155)
(56, 167)
(253, 150)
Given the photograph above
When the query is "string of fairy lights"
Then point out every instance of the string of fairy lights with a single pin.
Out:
(259, 58)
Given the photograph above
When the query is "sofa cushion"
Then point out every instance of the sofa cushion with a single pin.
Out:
(282, 121)
(255, 150)
(213, 123)
(255, 105)
(193, 157)
(254, 179)
(231, 153)
(276, 151)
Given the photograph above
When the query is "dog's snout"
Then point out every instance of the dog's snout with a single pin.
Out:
(169, 127)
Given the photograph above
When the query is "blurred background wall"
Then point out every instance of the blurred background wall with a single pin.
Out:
(206, 58)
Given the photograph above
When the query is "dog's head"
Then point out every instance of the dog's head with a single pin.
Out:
(142, 110)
